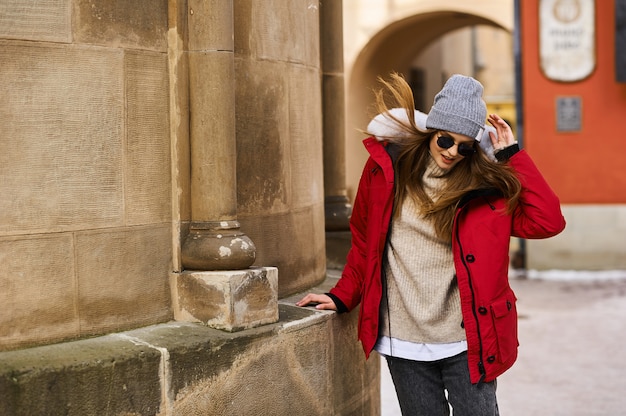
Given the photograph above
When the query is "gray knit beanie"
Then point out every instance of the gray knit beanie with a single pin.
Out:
(459, 108)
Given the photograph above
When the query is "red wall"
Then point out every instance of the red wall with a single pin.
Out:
(588, 166)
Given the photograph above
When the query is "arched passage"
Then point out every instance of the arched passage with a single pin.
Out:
(393, 48)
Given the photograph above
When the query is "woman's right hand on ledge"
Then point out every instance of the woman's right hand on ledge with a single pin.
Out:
(323, 302)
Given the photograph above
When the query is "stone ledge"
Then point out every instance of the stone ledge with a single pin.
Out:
(155, 370)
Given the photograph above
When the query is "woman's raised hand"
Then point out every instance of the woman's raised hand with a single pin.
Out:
(505, 134)
(320, 302)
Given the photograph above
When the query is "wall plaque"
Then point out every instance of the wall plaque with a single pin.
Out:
(568, 114)
(567, 39)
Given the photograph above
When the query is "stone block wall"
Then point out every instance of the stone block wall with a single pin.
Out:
(97, 134)
(85, 168)
(280, 187)
(89, 91)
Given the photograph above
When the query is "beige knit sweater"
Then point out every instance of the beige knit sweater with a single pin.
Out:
(421, 303)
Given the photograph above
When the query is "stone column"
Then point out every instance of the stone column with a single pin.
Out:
(217, 287)
(336, 203)
(215, 241)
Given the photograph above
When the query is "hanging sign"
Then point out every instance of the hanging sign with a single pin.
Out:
(567, 39)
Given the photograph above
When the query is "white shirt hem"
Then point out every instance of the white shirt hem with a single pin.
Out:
(417, 351)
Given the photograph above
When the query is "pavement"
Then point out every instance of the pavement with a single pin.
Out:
(572, 356)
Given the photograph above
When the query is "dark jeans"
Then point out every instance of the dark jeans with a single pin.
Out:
(420, 388)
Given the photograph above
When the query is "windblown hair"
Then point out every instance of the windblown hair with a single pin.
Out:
(471, 173)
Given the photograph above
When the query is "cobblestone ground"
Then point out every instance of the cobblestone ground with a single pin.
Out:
(572, 357)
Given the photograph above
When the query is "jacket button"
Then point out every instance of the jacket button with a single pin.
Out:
(491, 359)
(482, 310)
(470, 258)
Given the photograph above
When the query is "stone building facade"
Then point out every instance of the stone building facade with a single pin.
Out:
(164, 189)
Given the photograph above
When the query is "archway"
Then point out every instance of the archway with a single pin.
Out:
(393, 48)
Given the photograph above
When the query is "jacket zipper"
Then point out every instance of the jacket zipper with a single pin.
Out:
(481, 366)
(383, 258)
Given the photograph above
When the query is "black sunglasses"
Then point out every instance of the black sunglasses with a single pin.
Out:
(464, 149)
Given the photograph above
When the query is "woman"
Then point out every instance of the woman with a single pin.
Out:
(431, 225)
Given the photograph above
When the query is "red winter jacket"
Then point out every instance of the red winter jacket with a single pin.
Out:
(480, 243)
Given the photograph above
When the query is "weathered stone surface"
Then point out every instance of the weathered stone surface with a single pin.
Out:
(178, 71)
(139, 24)
(38, 290)
(278, 31)
(305, 137)
(44, 20)
(331, 29)
(109, 375)
(262, 126)
(337, 206)
(210, 25)
(148, 154)
(61, 127)
(71, 166)
(281, 375)
(93, 167)
(337, 248)
(294, 243)
(212, 129)
(217, 245)
(280, 195)
(294, 366)
(279, 137)
(228, 300)
(123, 279)
(334, 136)
(365, 395)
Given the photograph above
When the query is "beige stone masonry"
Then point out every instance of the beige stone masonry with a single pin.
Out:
(276, 30)
(61, 124)
(228, 300)
(137, 24)
(122, 273)
(36, 289)
(147, 151)
(280, 181)
(212, 144)
(85, 171)
(43, 20)
(337, 207)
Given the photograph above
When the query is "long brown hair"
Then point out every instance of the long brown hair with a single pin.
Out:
(471, 173)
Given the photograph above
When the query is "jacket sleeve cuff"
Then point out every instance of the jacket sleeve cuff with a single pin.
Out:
(341, 307)
(505, 154)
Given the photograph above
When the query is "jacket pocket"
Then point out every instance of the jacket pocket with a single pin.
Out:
(504, 315)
